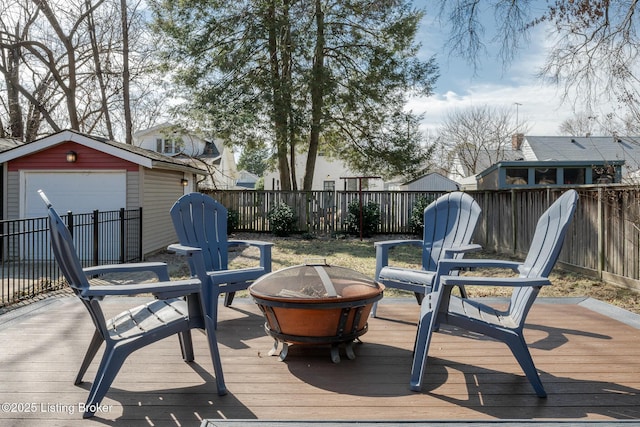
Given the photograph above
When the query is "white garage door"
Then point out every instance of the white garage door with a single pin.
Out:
(79, 192)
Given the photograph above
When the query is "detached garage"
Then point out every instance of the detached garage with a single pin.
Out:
(82, 173)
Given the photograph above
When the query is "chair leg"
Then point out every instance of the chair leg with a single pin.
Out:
(521, 352)
(186, 346)
(215, 355)
(95, 344)
(374, 309)
(213, 310)
(110, 365)
(228, 298)
(426, 324)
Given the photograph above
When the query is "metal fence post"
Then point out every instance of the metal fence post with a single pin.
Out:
(122, 236)
(96, 236)
(140, 235)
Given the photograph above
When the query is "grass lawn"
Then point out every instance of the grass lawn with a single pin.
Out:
(360, 255)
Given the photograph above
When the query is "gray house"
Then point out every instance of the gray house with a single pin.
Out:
(623, 151)
(430, 182)
(82, 173)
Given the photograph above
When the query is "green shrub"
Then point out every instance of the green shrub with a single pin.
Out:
(233, 220)
(370, 218)
(417, 214)
(282, 219)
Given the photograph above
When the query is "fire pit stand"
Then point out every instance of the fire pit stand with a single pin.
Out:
(315, 304)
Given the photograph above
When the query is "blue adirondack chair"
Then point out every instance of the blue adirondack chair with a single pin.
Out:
(201, 222)
(178, 308)
(507, 326)
(449, 223)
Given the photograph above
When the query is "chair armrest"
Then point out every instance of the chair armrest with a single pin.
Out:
(493, 281)
(382, 251)
(391, 243)
(159, 268)
(445, 266)
(163, 289)
(461, 249)
(265, 251)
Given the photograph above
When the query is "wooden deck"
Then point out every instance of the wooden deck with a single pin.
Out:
(589, 363)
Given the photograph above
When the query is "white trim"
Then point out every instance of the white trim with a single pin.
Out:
(69, 136)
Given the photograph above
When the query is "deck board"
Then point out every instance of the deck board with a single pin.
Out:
(589, 365)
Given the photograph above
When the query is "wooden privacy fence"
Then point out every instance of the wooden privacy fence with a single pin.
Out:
(320, 212)
(603, 239)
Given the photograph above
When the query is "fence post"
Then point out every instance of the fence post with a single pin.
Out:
(600, 225)
(96, 236)
(70, 222)
(122, 236)
(140, 235)
(514, 222)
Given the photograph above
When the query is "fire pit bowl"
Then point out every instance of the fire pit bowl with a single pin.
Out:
(315, 304)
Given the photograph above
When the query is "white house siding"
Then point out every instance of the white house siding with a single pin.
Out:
(161, 190)
(193, 145)
(528, 154)
(327, 169)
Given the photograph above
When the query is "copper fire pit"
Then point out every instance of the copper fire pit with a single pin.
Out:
(316, 304)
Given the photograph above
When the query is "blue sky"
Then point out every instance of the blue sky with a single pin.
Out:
(459, 88)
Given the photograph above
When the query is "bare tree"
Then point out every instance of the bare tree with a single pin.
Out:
(478, 137)
(65, 64)
(594, 53)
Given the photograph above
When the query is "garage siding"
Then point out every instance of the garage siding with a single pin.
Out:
(161, 190)
(133, 190)
(13, 195)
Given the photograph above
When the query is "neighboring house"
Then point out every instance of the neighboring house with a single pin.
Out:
(82, 173)
(194, 149)
(596, 149)
(464, 171)
(246, 180)
(430, 182)
(523, 173)
(329, 174)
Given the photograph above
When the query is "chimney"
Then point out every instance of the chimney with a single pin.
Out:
(516, 141)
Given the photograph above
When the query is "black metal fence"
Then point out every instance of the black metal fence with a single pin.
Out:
(28, 267)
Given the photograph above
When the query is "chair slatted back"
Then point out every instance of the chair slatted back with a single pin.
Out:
(64, 250)
(544, 250)
(200, 221)
(66, 256)
(448, 221)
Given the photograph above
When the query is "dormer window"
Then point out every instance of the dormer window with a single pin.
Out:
(169, 145)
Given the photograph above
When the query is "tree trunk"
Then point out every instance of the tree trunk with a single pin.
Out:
(317, 86)
(279, 112)
(126, 96)
(99, 75)
(12, 79)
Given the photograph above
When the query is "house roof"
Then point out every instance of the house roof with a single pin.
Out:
(547, 164)
(137, 155)
(488, 157)
(8, 143)
(433, 177)
(586, 148)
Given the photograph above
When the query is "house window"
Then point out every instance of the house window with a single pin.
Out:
(603, 174)
(574, 176)
(329, 185)
(546, 176)
(517, 176)
(169, 145)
